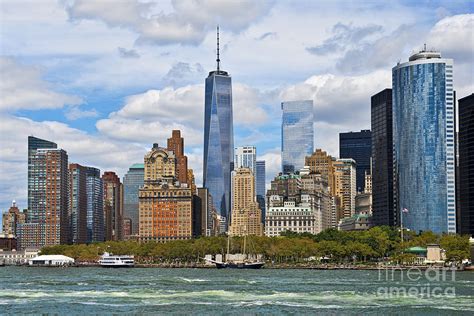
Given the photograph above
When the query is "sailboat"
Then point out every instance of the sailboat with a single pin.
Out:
(244, 264)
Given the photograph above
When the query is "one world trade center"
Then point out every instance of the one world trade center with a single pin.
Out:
(218, 137)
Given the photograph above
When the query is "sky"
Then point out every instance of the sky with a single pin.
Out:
(105, 79)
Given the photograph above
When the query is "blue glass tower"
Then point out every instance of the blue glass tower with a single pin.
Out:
(95, 206)
(423, 139)
(218, 137)
(297, 136)
(132, 181)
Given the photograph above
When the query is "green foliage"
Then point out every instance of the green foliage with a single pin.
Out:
(330, 245)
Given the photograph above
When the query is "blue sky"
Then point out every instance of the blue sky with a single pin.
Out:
(105, 79)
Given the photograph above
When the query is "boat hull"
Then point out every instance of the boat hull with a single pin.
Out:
(117, 265)
(243, 265)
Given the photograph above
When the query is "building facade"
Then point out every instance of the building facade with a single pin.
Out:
(358, 146)
(246, 157)
(78, 203)
(113, 206)
(466, 166)
(132, 181)
(382, 159)
(287, 216)
(345, 185)
(95, 206)
(12, 219)
(246, 216)
(48, 221)
(218, 137)
(165, 204)
(424, 142)
(176, 144)
(297, 134)
(261, 185)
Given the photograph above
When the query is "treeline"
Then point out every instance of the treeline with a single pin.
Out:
(376, 244)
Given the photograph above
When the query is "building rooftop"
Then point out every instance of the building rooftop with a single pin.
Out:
(138, 166)
(53, 257)
(425, 54)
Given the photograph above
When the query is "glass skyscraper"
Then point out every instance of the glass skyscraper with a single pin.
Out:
(297, 136)
(132, 181)
(260, 184)
(95, 206)
(423, 139)
(218, 138)
(358, 146)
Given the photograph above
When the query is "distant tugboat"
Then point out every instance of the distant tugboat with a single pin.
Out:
(245, 264)
(111, 261)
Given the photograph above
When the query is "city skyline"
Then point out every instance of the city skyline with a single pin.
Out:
(97, 125)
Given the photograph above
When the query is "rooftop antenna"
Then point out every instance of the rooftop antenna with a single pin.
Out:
(218, 59)
(425, 47)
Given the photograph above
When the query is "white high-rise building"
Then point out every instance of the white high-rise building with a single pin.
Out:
(246, 157)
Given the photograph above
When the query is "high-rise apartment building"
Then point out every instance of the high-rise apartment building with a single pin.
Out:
(95, 205)
(297, 134)
(132, 181)
(345, 185)
(358, 146)
(260, 184)
(113, 206)
(246, 216)
(12, 219)
(218, 137)
(382, 159)
(48, 221)
(78, 203)
(424, 142)
(165, 204)
(466, 166)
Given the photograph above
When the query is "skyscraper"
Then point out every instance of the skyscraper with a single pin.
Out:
(297, 135)
(382, 159)
(246, 216)
(95, 206)
(466, 165)
(246, 157)
(78, 203)
(260, 184)
(113, 205)
(132, 181)
(358, 146)
(48, 220)
(12, 219)
(423, 139)
(218, 137)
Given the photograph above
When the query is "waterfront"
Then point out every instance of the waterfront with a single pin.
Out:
(210, 291)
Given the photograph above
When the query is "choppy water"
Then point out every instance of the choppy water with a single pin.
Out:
(88, 291)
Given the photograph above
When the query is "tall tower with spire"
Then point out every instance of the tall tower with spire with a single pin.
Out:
(218, 137)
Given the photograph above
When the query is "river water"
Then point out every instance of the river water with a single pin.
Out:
(85, 291)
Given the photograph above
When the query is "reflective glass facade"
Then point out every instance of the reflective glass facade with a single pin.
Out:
(95, 206)
(297, 136)
(218, 139)
(358, 146)
(423, 139)
(132, 181)
(260, 184)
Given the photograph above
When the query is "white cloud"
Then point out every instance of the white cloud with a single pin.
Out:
(272, 164)
(187, 23)
(21, 87)
(75, 112)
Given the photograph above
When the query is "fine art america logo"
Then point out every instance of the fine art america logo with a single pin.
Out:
(426, 283)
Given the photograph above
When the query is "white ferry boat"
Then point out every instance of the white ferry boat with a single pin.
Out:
(111, 261)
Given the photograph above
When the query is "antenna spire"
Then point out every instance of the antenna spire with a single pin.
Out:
(218, 59)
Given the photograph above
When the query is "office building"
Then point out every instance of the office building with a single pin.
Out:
(261, 186)
(218, 137)
(246, 157)
(78, 203)
(95, 206)
(113, 206)
(358, 146)
(176, 144)
(322, 163)
(382, 159)
(297, 135)
(12, 219)
(165, 204)
(345, 185)
(246, 216)
(424, 142)
(132, 181)
(466, 166)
